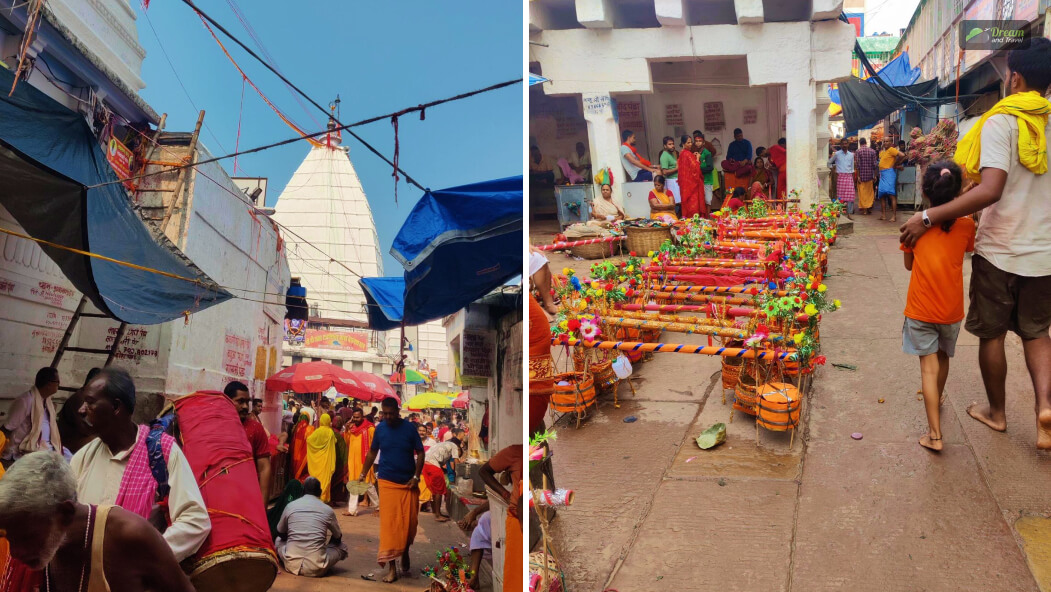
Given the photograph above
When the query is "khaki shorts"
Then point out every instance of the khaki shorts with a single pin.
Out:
(1002, 302)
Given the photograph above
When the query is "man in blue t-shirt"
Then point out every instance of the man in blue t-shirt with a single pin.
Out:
(398, 444)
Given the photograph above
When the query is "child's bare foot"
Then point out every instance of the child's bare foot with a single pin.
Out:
(1043, 430)
(392, 574)
(551, 309)
(930, 443)
(441, 518)
(983, 414)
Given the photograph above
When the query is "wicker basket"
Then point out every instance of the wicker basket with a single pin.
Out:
(746, 394)
(644, 240)
(731, 371)
(577, 396)
(554, 574)
(604, 376)
(594, 250)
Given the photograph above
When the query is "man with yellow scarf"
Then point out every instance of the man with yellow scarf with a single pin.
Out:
(1005, 153)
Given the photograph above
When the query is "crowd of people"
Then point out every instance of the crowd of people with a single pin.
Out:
(685, 179)
(860, 175)
(89, 467)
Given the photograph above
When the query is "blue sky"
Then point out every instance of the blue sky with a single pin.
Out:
(378, 57)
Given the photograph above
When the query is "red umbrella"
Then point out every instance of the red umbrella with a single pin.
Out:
(316, 377)
(376, 385)
(461, 400)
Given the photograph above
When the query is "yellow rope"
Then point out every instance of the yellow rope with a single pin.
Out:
(105, 258)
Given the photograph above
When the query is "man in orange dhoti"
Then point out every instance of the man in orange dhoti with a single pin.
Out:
(397, 442)
(359, 440)
(509, 459)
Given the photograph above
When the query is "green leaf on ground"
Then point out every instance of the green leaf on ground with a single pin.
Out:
(846, 366)
(712, 436)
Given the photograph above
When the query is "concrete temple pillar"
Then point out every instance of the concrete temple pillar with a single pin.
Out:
(800, 137)
(822, 136)
(604, 139)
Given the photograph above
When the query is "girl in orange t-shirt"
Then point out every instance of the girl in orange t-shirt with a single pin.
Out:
(934, 308)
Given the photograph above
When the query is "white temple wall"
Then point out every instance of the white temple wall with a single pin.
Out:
(599, 65)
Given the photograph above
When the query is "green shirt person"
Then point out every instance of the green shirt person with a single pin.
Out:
(706, 164)
(669, 159)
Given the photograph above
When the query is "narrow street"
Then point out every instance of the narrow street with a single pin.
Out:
(655, 512)
(361, 534)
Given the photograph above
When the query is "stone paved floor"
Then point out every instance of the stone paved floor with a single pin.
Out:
(653, 512)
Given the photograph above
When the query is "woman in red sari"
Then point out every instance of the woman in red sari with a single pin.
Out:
(690, 184)
(779, 157)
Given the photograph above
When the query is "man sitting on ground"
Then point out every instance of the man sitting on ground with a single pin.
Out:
(48, 529)
(309, 540)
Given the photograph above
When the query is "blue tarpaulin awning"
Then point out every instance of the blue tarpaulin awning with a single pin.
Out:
(456, 246)
(384, 301)
(51, 166)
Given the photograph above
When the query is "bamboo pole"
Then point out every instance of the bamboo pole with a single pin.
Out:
(742, 290)
(184, 174)
(688, 328)
(681, 348)
(732, 311)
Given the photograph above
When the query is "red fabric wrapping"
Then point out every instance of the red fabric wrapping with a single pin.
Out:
(217, 449)
(691, 185)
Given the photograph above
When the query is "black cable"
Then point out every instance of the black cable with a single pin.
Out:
(298, 90)
(420, 108)
(55, 76)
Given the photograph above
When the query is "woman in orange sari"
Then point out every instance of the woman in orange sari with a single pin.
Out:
(299, 449)
(662, 201)
(541, 366)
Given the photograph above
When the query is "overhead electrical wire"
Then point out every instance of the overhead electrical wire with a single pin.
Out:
(369, 120)
(327, 112)
(179, 80)
(253, 208)
(262, 47)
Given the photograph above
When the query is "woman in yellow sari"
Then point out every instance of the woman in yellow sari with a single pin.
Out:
(321, 456)
(662, 202)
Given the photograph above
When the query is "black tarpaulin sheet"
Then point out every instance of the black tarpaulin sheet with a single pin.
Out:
(865, 103)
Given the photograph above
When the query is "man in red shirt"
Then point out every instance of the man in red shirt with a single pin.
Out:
(257, 439)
